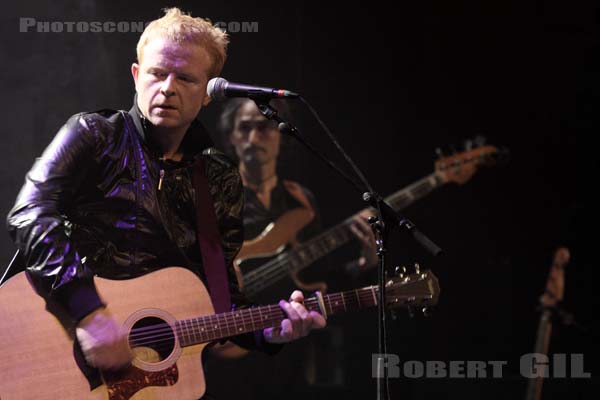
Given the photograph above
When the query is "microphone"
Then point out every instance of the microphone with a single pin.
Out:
(220, 89)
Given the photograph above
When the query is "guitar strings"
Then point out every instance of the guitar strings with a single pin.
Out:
(229, 320)
(271, 271)
(164, 332)
(271, 309)
(168, 336)
(223, 322)
(190, 327)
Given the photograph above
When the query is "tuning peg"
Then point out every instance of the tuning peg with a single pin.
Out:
(426, 311)
(400, 271)
(468, 145)
(439, 152)
(480, 140)
(417, 269)
(411, 312)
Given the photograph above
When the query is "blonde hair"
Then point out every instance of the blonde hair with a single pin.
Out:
(180, 27)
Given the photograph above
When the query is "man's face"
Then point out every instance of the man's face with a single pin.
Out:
(171, 82)
(255, 138)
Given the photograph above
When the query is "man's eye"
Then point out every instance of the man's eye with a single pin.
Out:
(159, 74)
(244, 128)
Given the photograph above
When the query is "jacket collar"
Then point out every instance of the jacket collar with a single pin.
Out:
(195, 141)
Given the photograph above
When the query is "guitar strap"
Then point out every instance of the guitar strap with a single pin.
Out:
(296, 191)
(207, 233)
(209, 241)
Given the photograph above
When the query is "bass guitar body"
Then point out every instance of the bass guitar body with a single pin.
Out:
(287, 281)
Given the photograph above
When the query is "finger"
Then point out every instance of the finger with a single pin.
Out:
(364, 225)
(318, 321)
(366, 213)
(279, 334)
(305, 319)
(364, 232)
(273, 335)
(297, 296)
(292, 314)
(300, 309)
(269, 334)
(111, 358)
(369, 236)
(358, 234)
(287, 330)
(126, 355)
(90, 358)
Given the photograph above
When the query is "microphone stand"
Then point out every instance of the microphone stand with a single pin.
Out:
(386, 220)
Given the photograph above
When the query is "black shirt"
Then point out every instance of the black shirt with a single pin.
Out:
(257, 217)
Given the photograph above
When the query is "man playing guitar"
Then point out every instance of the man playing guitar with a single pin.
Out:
(113, 196)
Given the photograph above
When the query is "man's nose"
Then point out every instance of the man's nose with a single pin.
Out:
(254, 135)
(167, 88)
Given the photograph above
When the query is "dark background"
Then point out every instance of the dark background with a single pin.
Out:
(393, 84)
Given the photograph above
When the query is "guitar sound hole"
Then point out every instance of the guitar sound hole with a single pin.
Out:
(152, 339)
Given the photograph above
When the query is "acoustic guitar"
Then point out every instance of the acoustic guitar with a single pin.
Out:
(168, 318)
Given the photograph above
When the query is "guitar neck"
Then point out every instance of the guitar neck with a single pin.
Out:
(554, 292)
(330, 240)
(542, 344)
(415, 191)
(218, 326)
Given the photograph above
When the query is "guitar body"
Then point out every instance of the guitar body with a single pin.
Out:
(38, 359)
(276, 239)
(278, 233)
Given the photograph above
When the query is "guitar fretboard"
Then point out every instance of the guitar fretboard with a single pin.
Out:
(415, 191)
(214, 327)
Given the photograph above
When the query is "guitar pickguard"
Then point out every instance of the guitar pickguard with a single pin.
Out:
(124, 385)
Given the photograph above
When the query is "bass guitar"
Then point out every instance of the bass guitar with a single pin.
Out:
(269, 266)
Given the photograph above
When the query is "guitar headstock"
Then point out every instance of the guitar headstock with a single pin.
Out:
(461, 166)
(419, 289)
(555, 286)
(561, 257)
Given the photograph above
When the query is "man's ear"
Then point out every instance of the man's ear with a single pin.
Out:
(207, 100)
(135, 69)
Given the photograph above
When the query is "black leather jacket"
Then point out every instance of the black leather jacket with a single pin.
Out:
(91, 206)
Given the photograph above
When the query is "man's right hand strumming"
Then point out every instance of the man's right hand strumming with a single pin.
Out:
(102, 342)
